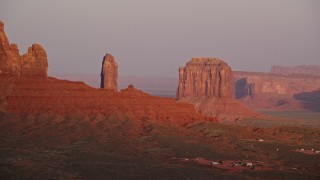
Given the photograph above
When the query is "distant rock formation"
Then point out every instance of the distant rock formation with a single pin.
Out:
(32, 63)
(303, 69)
(277, 91)
(205, 77)
(207, 84)
(109, 73)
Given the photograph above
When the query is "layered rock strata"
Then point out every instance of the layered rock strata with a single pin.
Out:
(53, 96)
(276, 91)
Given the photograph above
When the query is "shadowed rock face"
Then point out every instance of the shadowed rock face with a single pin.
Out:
(205, 77)
(277, 91)
(109, 73)
(32, 63)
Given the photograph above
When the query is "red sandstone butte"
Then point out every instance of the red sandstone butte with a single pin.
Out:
(205, 77)
(32, 63)
(207, 84)
(109, 73)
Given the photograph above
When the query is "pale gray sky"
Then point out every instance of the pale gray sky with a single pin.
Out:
(155, 37)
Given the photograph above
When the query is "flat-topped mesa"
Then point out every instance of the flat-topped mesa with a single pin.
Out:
(312, 70)
(33, 63)
(203, 76)
(109, 73)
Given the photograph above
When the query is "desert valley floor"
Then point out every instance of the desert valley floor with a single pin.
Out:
(41, 140)
(87, 146)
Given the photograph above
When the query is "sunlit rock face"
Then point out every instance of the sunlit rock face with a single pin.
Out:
(207, 83)
(32, 63)
(209, 77)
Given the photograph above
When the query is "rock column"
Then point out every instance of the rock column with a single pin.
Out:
(109, 73)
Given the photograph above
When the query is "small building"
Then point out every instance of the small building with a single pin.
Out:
(214, 163)
(249, 164)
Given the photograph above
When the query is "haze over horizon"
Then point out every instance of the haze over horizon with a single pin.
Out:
(155, 38)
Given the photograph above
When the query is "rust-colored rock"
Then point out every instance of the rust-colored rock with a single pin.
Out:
(109, 73)
(210, 77)
(33, 63)
(38, 95)
(207, 84)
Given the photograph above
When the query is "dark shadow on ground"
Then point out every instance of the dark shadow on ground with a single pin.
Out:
(310, 100)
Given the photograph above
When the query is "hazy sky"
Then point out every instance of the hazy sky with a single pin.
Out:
(154, 38)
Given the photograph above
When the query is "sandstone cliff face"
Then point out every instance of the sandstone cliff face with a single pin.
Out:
(33, 63)
(276, 91)
(205, 77)
(303, 69)
(109, 73)
(207, 84)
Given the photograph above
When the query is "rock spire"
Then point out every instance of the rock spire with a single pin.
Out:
(109, 73)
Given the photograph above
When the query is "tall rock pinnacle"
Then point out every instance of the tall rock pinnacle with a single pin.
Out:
(209, 77)
(32, 63)
(109, 73)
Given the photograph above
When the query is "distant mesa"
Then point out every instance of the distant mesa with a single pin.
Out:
(207, 83)
(302, 69)
(32, 63)
(278, 91)
(109, 73)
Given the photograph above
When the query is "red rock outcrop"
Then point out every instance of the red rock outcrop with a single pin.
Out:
(210, 77)
(32, 63)
(207, 84)
(50, 95)
(109, 73)
(276, 91)
(303, 69)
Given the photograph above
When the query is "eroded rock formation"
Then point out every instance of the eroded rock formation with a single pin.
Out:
(109, 73)
(276, 91)
(207, 84)
(210, 77)
(302, 69)
(32, 63)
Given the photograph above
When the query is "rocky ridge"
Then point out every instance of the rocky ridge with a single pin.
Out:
(32, 63)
